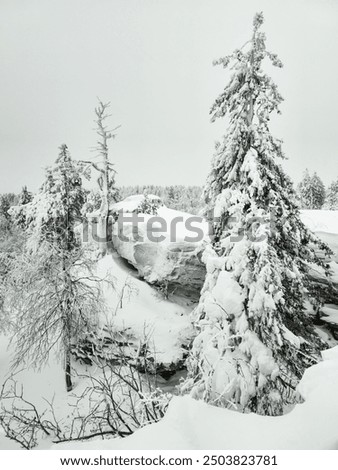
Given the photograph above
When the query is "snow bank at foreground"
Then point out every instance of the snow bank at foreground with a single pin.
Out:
(191, 424)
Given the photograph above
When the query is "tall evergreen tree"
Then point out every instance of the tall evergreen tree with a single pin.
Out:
(254, 339)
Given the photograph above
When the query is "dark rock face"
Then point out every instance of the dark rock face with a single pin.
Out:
(178, 265)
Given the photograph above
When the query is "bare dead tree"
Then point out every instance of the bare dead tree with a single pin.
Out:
(105, 168)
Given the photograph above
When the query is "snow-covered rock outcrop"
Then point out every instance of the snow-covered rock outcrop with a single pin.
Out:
(178, 264)
(164, 247)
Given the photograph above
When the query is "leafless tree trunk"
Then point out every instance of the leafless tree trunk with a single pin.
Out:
(105, 169)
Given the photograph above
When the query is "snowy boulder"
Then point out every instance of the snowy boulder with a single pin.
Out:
(126, 232)
(163, 244)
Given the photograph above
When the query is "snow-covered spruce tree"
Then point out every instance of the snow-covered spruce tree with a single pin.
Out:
(56, 208)
(332, 196)
(311, 191)
(51, 294)
(254, 340)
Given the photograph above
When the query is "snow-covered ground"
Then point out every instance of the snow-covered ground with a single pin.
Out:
(37, 386)
(133, 306)
(324, 221)
(189, 423)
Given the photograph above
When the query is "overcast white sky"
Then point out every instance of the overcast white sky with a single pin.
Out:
(153, 60)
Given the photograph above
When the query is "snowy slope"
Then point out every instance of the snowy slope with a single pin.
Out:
(136, 306)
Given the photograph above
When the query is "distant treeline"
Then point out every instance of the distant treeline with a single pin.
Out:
(311, 193)
(184, 198)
